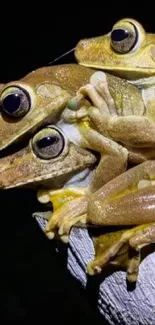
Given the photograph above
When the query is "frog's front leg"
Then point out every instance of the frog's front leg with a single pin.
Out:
(69, 207)
(113, 160)
(103, 108)
(137, 131)
(132, 130)
(98, 92)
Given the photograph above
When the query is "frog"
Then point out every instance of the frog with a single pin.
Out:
(118, 112)
(49, 160)
(128, 51)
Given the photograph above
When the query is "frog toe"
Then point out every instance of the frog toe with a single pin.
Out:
(66, 224)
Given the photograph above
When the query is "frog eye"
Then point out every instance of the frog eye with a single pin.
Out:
(124, 37)
(48, 143)
(15, 101)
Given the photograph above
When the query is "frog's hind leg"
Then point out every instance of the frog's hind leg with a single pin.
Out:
(126, 201)
(115, 249)
(141, 238)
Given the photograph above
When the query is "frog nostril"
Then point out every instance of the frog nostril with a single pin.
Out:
(82, 49)
(82, 44)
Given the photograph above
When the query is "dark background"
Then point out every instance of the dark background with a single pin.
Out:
(34, 281)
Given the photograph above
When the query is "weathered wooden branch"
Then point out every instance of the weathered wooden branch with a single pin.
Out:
(115, 300)
(119, 304)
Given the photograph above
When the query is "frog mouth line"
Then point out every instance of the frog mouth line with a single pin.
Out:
(111, 67)
(133, 70)
(81, 177)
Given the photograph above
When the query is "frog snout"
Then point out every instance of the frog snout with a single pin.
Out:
(81, 49)
(82, 44)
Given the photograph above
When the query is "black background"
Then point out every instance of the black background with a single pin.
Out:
(34, 281)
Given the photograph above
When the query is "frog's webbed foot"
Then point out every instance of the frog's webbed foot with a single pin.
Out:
(69, 207)
(122, 248)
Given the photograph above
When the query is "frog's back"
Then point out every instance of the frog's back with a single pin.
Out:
(69, 76)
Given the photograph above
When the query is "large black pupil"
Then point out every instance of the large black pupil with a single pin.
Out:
(119, 35)
(11, 103)
(47, 141)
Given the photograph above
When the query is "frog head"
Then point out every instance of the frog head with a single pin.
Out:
(126, 51)
(49, 159)
(36, 99)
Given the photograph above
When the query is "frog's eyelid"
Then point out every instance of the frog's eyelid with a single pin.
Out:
(138, 43)
(139, 39)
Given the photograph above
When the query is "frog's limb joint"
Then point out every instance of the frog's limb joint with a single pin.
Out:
(72, 116)
(113, 159)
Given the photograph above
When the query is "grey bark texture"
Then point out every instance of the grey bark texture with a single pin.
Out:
(114, 300)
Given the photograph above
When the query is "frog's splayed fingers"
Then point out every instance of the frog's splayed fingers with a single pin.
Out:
(127, 50)
(49, 160)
